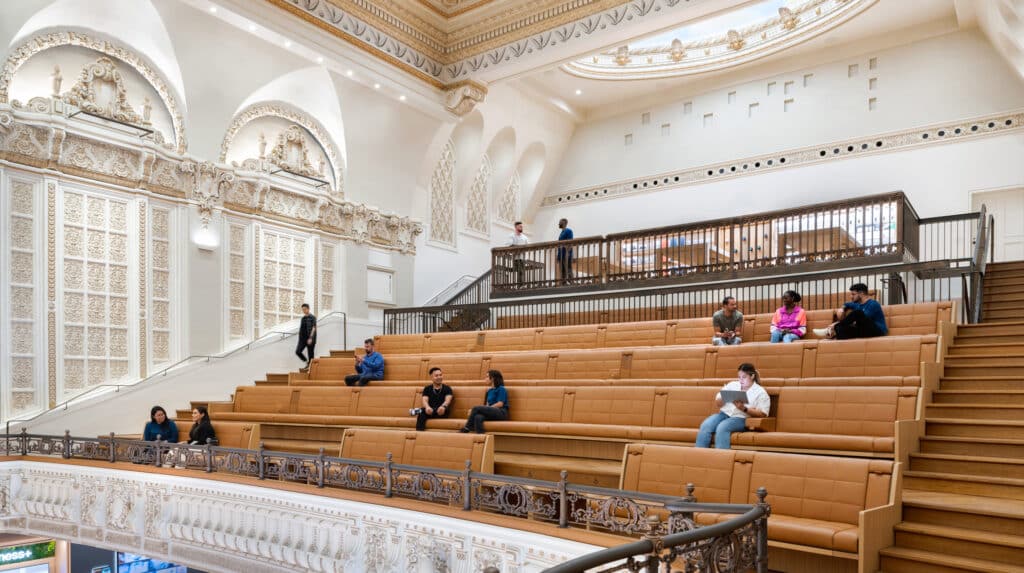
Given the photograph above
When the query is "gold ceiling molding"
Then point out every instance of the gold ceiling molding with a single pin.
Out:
(453, 8)
(392, 31)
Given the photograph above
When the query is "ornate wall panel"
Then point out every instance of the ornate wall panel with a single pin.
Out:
(325, 271)
(239, 284)
(284, 285)
(162, 284)
(477, 216)
(230, 527)
(508, 206)
(442, 197)
(23, 381)
(94, 291)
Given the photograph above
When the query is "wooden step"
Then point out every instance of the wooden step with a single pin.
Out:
(980, 513)
(978, 396)
(994, 412)
(903, 560)
(973, 428)
(980, 338)
(973, 465)
(981, 486)
(1006, 286)
(342, 354)
(277, 377)
(979, 370)
(996, 280)
(947, 540)
(1005, 294)
(991, 447)
(991, 329)
(1006, 265)
(996, 308)
(971, 347)
(994, 383)
(985, 360)
(270, 383)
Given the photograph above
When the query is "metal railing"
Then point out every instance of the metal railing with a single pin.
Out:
(100, 388)
(561, 503)
(865, 231)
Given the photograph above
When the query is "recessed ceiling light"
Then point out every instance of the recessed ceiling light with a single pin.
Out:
(579, 92)
(320, 59)
(252, 27)
(348, 73)
(287, 43)
(376, 86)
(401, 98)
(213, 9)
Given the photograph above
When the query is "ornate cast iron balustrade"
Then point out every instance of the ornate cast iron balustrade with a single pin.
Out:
(560, 503)
(870, 230)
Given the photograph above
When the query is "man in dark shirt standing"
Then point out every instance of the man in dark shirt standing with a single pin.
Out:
(437, 399)
(307, 337)
(564, 254)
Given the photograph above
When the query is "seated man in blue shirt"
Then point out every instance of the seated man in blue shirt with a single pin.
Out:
(862, 317)
(369, 367)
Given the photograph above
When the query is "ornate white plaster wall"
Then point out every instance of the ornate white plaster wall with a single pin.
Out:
(941, 79)
(234, 527)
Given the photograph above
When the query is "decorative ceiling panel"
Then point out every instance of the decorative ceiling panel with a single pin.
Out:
(452, 8)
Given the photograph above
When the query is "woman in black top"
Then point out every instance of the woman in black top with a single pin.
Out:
(202, 430)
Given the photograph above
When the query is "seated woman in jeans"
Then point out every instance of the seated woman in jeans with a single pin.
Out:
(732, 416)
(496, 407)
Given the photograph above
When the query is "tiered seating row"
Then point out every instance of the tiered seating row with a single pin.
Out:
(885, 356)
(816, 501)
(904, 319)
(425, 449)
(829, 419)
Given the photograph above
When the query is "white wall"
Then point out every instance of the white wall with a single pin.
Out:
(945, 78)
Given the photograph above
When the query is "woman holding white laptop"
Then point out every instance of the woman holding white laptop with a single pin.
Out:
(732, 415)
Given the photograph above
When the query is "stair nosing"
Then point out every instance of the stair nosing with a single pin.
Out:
(967, 458)
(971, 478)
(929, 557)
(975, 422)
(968, 439)
(961, 503)
(975, 535)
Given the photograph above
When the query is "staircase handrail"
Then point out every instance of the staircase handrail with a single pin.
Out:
(979, 263)
(458, 285)
(278, 334)
(483, 295)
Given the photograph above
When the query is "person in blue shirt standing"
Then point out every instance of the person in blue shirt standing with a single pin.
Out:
(862, 317)
(496, 407)
(564, 254)
(368, 367)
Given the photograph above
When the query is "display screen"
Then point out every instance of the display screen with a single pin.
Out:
(132, 563)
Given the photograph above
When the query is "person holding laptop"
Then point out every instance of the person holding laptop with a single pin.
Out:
(738, 400)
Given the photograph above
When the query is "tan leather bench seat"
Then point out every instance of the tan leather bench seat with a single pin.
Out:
(816, 500)
(668, 362)
(426, 449)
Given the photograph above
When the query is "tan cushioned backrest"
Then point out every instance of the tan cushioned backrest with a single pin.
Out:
(881, 356)
(457, 366)
(588, 364)
(564, 337)
(373, 445)
(326, 401)
(694, 331)
(855, 411)
(399, 344)
(688, 407)
(625, 406)
(536, 403)
(448, 451)
(263, 400)
(771, 360)
(520, 366)
(392, 401)
(629, 334)
(403, 367)
(452, 342)
(668, 362)
(512, 339)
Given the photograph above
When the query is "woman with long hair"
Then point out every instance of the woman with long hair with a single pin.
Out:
(495, 405)
(202, 429)
(160, 426)
(732, 416)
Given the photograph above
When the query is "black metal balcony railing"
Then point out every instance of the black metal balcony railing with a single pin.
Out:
(873, 230)
(562, 503)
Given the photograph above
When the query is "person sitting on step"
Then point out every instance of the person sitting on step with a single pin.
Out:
(368, 367)
(789, 323)
(862, 317)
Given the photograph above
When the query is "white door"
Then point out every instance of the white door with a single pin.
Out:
(1007, 208)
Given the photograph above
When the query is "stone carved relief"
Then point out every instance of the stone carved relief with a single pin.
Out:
(292, 154)
(477, 216)
(92, 93)
(311, 125)
(30, 140)
(32, 46)
(442, 197)
(461, 99)
(508, 206)
(21, 258)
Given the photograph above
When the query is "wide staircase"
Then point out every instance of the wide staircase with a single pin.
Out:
(963, 497)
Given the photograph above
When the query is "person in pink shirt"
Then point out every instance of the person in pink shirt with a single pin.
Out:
(789, 323)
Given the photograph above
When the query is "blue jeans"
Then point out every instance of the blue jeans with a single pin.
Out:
(777, 336)
(722, 427)
(726, 341)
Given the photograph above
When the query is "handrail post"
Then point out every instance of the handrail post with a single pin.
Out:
(563, 499)
(762, 531)
(113, 449)
(158, 461)
(7, 438)
(261, 462)
(467, 501)
(66, 441)
(320, 469)
(387, 476)
(209, 457)
(24, 441)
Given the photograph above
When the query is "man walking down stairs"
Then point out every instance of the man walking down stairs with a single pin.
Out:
(963, 492)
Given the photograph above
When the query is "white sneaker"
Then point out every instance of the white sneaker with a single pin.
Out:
(821, 332)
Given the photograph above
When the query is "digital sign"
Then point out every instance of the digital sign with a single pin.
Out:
(20, 553)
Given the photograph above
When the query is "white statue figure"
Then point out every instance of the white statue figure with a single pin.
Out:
(263, 146)
(147, 110)
(56, 78)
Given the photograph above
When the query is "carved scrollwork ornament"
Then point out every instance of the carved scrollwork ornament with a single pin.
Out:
(462, 98)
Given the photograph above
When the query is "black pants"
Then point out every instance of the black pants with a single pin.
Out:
(421, 418)
(358, 379)
(856, 325)
(305, 347)
(479, 414)
(565, 266)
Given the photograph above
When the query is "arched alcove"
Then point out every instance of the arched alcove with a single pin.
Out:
(522, 183)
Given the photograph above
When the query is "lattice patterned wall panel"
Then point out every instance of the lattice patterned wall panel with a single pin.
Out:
(284, 282)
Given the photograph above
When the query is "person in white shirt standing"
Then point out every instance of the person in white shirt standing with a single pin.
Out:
(518, 239)
(732, 416)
